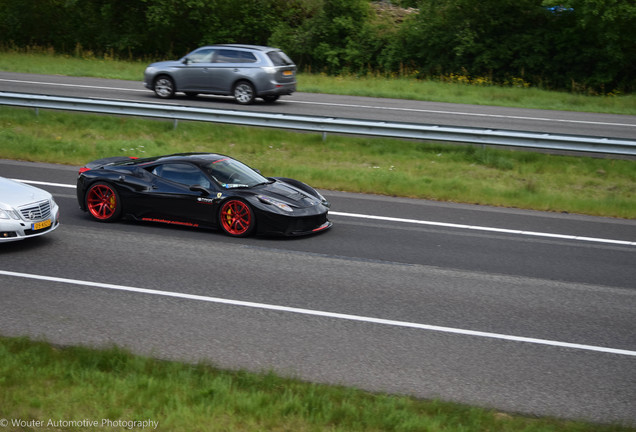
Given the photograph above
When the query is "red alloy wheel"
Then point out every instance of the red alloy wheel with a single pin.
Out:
(102, 202)
(236, 218)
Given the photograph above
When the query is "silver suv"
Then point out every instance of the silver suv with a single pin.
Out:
(243, 71)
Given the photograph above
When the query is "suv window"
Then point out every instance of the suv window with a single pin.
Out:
(279, 58)
(182, 173)
(234, 56)
(201, 56)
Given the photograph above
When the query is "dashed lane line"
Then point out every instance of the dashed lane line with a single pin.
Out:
(325, 314)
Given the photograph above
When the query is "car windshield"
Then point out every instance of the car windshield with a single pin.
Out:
(230, 173)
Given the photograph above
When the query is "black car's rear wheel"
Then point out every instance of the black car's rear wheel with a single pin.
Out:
(244, 92)
(164, 87)
(236, 218)
(103, 203)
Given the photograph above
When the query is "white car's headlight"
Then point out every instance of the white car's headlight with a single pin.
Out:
(9, 214)
(281, 205)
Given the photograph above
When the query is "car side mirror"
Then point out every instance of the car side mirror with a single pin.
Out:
(186, 61)
(199, 188)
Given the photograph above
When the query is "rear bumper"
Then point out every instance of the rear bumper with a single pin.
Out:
(279, 89)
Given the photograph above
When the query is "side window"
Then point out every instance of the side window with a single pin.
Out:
(182, 173)
(235, 56)
(201, 56)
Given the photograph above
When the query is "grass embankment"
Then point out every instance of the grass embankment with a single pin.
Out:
(41, 383)
(454, 173)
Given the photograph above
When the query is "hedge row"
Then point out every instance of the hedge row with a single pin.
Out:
(586, 45)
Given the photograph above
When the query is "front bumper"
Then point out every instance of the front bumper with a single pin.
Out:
(292, 226)
(14, 230)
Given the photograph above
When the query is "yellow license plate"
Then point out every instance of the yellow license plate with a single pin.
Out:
(41, 225)
(288, 73)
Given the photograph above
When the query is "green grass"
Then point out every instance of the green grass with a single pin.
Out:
(467, 174)
(39, 60)
(40, 382)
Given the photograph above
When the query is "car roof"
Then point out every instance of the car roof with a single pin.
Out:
(243, 46)
(196, 158)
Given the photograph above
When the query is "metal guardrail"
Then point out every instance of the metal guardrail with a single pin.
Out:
(329, 125)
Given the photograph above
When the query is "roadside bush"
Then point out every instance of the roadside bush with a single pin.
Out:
(587, 46)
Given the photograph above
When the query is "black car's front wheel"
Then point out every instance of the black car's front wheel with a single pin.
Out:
(236, 218)
(103, 202)
(164, 87)
(244, 92)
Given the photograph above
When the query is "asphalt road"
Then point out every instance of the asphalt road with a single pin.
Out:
(519, 311)
(381, 109)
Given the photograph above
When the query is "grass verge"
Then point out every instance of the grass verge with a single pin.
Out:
(468, 174)
(43, 383)
(43, 61)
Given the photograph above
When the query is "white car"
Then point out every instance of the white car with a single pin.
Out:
(25, 211)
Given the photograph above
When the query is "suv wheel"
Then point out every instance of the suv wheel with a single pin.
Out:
(164, 87)
(244, 92)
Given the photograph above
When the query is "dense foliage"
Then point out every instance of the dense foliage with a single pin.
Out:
(588, 45)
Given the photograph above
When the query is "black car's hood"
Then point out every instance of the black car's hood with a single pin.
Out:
(287, 193)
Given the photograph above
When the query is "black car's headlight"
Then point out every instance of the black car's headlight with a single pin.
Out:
(271, 201)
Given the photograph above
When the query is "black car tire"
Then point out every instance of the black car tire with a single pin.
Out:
(103, 202)
(236, 218)
(164, 87)
(244, 92)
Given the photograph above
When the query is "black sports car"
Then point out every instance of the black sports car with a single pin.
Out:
(200, 190)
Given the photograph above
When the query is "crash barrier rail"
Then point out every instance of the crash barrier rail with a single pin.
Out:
(330, 125)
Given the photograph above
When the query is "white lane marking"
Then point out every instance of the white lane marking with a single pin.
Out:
(483, 228)
(432, 223)
(73, 85)
(45, 183)
(460, 113)
(383, 108)
(324, 314)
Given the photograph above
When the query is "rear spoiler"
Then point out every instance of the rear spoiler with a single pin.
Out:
(106, 161)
